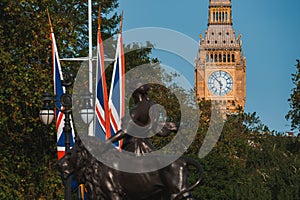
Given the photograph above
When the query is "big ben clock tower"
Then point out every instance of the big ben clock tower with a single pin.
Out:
(220, 67)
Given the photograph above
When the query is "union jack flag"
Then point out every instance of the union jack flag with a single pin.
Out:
(102, 125)
(117, 91)
(58, 91)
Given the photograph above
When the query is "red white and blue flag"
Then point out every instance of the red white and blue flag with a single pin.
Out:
(58, 91)
(102, 125)
(117, 91)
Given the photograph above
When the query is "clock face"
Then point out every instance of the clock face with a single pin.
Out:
(220, 83)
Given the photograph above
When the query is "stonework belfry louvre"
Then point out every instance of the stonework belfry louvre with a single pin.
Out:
(220, 66)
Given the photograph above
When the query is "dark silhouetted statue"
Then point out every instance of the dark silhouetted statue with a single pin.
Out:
(106, 183)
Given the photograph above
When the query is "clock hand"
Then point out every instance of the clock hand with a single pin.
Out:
(220, 83)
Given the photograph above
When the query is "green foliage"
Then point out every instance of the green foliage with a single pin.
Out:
(248, 161)
(28, 149)
(294, 113)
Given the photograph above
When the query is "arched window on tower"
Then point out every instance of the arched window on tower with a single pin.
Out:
(233, 58)
(217, 16)
(211, 58)
(224, 57)
(220, 57)
(228, 57)
(216, 58)
(226, 16)
(223, 17)
(214, 16)
(207, 57)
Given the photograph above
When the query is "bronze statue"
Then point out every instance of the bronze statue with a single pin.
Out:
(140, 117)
(105, 183)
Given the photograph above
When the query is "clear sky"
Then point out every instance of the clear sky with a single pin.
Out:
(271, 42)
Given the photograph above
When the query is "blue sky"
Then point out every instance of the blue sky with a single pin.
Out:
(271, 42)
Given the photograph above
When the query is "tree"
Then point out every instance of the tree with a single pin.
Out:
(294, 113)
(28, 149)
(248, 162)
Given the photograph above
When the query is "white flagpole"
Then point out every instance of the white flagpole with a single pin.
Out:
(90, 59)
(90, 47)
(91, 126)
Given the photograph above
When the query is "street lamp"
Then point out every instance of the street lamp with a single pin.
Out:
(47, 116)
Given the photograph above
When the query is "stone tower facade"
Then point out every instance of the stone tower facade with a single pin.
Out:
(220, 67)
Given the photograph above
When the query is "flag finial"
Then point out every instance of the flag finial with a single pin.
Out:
(99, 17)
(49, 19)
(121, 22)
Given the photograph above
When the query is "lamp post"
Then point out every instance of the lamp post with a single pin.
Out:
(66, 102)
(47, 116)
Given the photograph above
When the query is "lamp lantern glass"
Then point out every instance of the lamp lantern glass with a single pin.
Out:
(87, 112)
(46, 116)
(47, 112)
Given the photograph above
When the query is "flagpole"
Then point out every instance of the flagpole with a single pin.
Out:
(116, 94)
(90, 47)
(49, 19)
(123, 63)
(99, 17)
(121, 22)
(91, 125)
